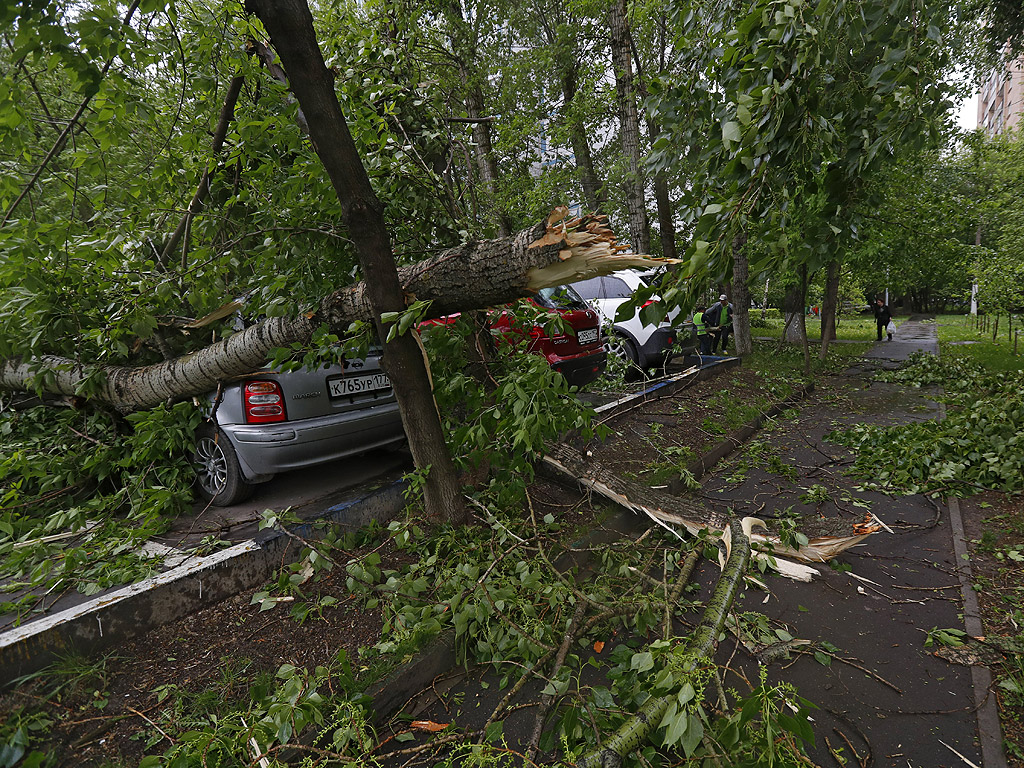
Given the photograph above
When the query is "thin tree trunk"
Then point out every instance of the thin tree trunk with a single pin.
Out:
(829, 307)
(567, 64)
(666, 221)
(290, 25)
(803, 321)
(487, 165)
(465, 52)
(629, 125)
(793, 310)
(741, 296)
(227, 114)
(593, 191)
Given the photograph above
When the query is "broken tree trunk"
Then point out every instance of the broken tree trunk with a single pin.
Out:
(826, 538)
(698, 650)
(474, 275)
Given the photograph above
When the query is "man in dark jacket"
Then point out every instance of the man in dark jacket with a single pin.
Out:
(720, 316)
(882, 317)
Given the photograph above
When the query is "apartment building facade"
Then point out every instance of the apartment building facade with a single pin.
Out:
(1001, 100)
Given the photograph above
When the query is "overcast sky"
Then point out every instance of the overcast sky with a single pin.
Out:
(967, 114)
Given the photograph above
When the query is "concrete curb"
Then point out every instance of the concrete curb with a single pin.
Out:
(989, 730)
(669, 386)
(118, 616)
(701, 466)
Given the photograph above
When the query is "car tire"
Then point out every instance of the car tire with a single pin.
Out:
(618, 346)
(218, 475)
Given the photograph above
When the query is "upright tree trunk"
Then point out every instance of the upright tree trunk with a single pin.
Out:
(829, 307)
(290, 25)
(741, 296)
(464, 49)
(803, 321)
(666, 222)
(593, 191)
(629, 125)
(487, 165)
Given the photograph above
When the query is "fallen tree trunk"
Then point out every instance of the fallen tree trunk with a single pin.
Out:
(471, 276)
(826, 538)
(699, 649)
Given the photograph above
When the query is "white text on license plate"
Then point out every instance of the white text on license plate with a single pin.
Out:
(357, 385)
(587, 335)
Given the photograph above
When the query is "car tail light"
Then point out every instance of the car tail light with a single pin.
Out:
(263, 402)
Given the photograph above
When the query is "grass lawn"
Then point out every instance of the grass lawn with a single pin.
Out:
(849, 328)
(958, 336)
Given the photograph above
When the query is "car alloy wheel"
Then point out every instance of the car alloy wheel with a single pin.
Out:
(218, 475)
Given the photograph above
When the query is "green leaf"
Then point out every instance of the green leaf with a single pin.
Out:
(693, 734)
(731, 133)
(641, 662)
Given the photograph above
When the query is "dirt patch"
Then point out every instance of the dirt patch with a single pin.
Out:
(994, 525)
(654, 441)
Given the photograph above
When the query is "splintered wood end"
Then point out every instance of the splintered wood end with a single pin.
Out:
(557, 215)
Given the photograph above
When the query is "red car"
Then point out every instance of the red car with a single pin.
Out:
(577, 351)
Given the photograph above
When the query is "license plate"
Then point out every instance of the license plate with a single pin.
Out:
(587, 335)
(358, 385)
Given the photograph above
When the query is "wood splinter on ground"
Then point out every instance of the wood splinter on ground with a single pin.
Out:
(826, 538)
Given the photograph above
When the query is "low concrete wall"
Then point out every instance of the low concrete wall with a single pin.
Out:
(115, 617)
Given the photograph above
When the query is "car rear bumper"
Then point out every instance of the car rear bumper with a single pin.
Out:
(664, 342)
(580, 370)
(267, 449)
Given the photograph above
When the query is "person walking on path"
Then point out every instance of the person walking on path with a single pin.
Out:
(720, 316)
(703, 336)
(882, 318)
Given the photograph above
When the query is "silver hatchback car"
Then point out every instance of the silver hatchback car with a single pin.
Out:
(270, 422)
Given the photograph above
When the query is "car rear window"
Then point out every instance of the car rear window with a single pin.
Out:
(560, 297)
(606, 287)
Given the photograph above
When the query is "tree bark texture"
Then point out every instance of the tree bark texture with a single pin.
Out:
(741, 296)
(290, 25)
(629, 125)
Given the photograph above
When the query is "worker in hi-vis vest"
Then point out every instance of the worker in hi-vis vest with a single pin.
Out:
(703, 335)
